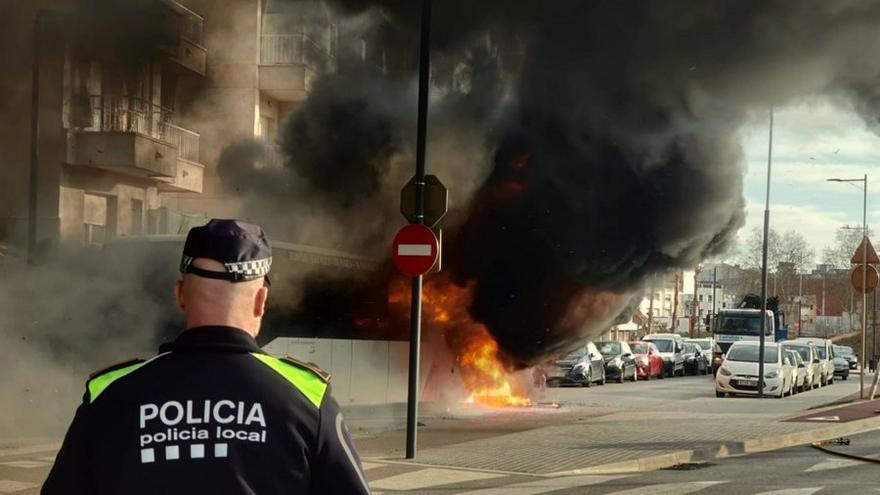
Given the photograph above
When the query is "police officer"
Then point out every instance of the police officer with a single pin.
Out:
(211, 413)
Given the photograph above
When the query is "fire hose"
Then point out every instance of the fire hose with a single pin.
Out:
(841, 441)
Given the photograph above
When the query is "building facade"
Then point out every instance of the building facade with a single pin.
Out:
(135, 106)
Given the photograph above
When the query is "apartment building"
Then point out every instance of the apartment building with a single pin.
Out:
(135, 109)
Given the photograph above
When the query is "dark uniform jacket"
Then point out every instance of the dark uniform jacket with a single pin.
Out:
(210, 414)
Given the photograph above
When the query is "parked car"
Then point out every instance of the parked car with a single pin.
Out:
(695, 362)
(648, 361)
(583, 366)
(847, 353)
(788, 373)
(811, 361)
(670, 346)
(825, 351)
(706, 344)
(620, 364)
(717, 358)
(738, 374)
(800, 370)
(841, 368)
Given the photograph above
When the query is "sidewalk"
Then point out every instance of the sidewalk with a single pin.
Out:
(602, 440)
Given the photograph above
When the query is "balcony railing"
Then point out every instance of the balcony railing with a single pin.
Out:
(186, 141)
(109, 113)
(291, 49)
(189, 25)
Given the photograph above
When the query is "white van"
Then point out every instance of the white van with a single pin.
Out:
(825, 351)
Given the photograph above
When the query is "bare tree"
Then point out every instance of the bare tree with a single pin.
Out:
(789, 250)
(846, 241)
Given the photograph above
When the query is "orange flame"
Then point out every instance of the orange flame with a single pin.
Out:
(445, 309)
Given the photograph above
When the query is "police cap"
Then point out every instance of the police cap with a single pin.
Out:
(242, 247)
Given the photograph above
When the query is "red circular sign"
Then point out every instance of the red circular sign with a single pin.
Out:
(414, 250)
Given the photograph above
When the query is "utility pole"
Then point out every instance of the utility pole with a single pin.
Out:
(673, 326)
(800, 300)
(694, 302)
(714, 285)
(762, 338)
(651, 304)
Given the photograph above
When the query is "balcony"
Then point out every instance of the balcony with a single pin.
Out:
(289, 64)
(184, 28)
(135, 137)
(190, 173)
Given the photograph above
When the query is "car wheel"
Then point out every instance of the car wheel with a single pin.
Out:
(662, 374)
(719, 394)
(622, 374)
(648, 375)
(588, 380)
(844, 377)
(635, 376)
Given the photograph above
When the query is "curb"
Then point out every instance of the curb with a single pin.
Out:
(728, 449)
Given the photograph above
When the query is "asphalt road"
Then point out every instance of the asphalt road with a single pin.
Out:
(803, 470)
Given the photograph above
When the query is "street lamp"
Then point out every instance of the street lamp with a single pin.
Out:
(864, 181)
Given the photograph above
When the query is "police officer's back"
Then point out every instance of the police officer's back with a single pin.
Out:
(211, 413)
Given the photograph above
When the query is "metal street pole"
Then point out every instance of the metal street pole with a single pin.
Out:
(412, 397)
(714, 285)
(761, 338)
(864, 284)
(864, 181)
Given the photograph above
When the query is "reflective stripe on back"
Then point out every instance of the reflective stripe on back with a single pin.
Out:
(307, 382)
(101, 382)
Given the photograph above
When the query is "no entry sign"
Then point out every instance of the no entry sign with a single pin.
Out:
(414, 250)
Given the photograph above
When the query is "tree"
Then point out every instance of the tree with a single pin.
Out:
(786, 252)
(846, 241)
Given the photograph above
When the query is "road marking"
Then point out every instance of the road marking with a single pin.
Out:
(824, 418)
(9, 486)
(414, 249)
(833, 464)
(49, 458)
(543, 486)
(25, 464)
(793, 491)
(669, 488)
(427, 478)
(371, 465)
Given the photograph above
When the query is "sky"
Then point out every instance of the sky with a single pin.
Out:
(813, 140)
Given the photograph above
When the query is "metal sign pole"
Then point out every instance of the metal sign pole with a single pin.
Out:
(412, 399)
(764, 266)
(864, 286)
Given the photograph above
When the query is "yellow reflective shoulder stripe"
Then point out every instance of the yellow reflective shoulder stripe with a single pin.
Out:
(101, 382)
(306, 381)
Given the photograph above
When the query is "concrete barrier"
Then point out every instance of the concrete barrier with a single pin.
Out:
(363, 372)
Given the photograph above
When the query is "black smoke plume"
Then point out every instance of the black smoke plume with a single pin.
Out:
(611, 138)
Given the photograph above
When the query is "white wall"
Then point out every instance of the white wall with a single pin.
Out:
(363, 372)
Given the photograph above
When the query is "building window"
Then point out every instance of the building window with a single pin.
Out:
(701, 298)
(723, 305)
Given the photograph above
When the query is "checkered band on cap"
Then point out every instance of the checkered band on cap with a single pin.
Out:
(250, 269)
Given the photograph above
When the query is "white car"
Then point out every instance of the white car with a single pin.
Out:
(799, 369)
(671, 346)
(738, 374)
(813, 366)
(825, 351)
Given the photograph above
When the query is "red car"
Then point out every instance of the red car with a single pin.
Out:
(648, 361)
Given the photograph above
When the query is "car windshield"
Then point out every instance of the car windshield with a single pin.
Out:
(640, 348)
(749, 354)
(663, 345)
(821, 351)
(608, 348)
(740, 325)
(575, 354)
(703, 344)
(803, 350)
(843, 350)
